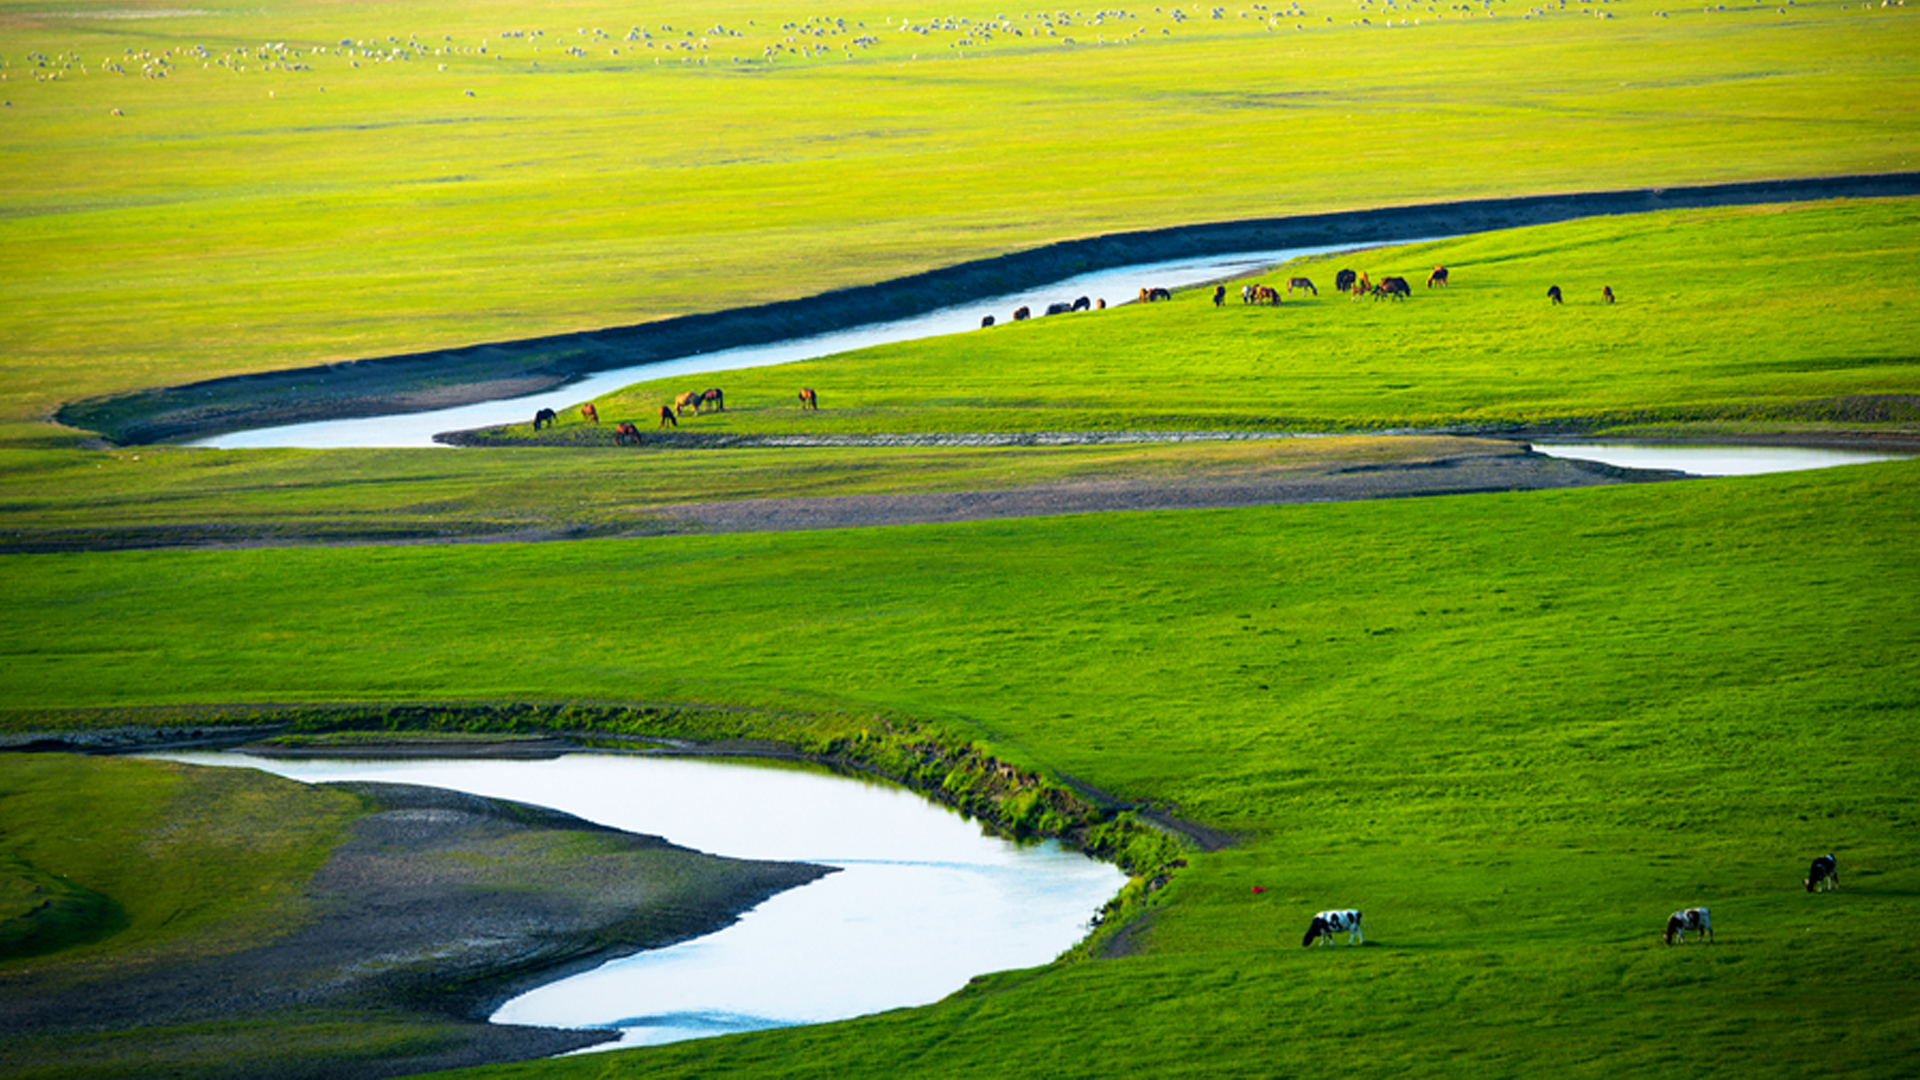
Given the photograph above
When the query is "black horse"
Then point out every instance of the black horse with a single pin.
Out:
(543, 418)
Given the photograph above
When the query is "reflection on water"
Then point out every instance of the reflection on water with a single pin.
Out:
(418, 429)
(924, 901)
(1714, 460)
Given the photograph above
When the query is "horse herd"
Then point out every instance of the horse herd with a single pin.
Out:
(1822, 875)
(626, 432)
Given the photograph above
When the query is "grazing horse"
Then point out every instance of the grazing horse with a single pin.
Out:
(808, 399)
(1148, 296)
(714, 398)
(1021, 314)
(1824, 873)
(1344, 281)
(1082, 304)
(1246, 294)
(986, 321)
(1694, 919)
(1606, 294)
(544, 418)
(1394, 288)
(1266, 294)
(667, 417)
(1361, 286)
(1059, 309)
(625, 432)
(1328, 923)
(591, 414)
(1438, 277)
(1553, 293)
(1219, 295)
(1303, 284)
(689, 400)
(1101, 303)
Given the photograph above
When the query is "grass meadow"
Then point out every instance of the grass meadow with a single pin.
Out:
(1517, 730)
(279, 198)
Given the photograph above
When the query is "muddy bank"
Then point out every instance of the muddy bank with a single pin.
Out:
(437, 379)
(439, 906)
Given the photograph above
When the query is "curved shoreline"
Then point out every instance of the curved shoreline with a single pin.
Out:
(446, 377)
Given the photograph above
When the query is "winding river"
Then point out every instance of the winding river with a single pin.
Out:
(418, 429)
(924, 900)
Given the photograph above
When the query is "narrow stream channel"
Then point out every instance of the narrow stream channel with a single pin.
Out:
(924, 900)
(418, 429)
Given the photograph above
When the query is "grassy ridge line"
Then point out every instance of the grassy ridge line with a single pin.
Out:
(417, 382)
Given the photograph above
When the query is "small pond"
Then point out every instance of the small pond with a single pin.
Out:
(924, 900)
(1713, 460)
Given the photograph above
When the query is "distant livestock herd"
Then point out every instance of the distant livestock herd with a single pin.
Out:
(1822, 875)
(1355, 284)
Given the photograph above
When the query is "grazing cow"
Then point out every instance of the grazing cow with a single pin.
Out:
(1303, 284)
(544, 418)
(1694, 919)
(591, 414)
(1219, 295)
(714, 398)
(625, 432)
(1344, 280)
(1021, 314)
(1266, 294)
(1395, 288)
(986, 321)
(1606, 294)
(809, 400)
(1823, 874)
(1059, 309)
(1553, 293)
(689, 400)
(1082, 304)
(667, 418)
(1328, 923)
(1438, 277)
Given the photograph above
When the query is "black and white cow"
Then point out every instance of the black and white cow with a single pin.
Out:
(1694, 919)
(1823, 874)
(1328, 923)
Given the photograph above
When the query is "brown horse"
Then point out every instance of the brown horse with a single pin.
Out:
(1219, 295)
(1606, 293)
(689, 400)
(591, 414)
(1155, 293)
(1394, 288)
(986, 321)
(1303, 284)
(667, 417)
(1438, 277)
(808, 399)
(1266, 294)
(714, 399)
(544, 418)
(1021, 314)
(625, 432)
(1343, 281)
(1553, 293)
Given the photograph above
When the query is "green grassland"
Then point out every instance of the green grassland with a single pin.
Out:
(1516, 730)
(279, 199)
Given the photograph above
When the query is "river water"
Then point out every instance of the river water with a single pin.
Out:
(418, 429)
(1714, 460)
(923, 901)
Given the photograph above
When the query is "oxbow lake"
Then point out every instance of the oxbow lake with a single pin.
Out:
(923, 902)
(1714, 460)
